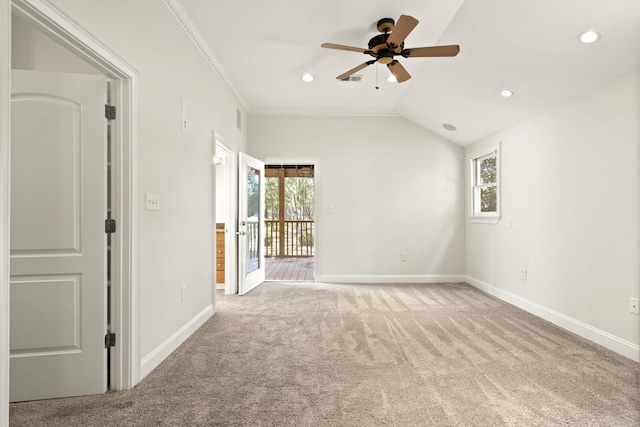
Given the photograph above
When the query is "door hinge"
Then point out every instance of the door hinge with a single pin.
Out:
(109, 340)
(110, 112)
(109, 226)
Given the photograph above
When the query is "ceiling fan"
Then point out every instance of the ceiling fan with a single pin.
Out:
(390, 43)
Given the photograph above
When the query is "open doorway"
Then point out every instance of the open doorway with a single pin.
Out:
(290, 227)
(221, 162)
(225, 217)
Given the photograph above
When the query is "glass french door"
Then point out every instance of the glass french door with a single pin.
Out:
(251, 185)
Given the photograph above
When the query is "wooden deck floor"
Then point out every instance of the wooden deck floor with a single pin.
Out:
(289, 269)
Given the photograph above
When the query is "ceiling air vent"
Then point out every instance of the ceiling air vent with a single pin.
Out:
(352, 78)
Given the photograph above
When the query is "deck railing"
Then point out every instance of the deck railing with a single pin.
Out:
(289, 238)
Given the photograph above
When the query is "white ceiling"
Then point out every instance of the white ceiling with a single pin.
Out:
(530, 47)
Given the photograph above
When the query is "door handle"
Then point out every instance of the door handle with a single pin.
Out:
(240, 233)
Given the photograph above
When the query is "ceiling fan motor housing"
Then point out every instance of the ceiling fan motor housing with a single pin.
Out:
(381, 51)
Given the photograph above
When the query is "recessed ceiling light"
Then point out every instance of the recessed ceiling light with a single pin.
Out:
(449, 126)
(589, 37)
(307, 77)
(506, 93)
(392, 78)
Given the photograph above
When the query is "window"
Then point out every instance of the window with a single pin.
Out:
(485, 185)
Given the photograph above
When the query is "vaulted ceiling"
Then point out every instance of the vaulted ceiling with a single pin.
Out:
(530, 47)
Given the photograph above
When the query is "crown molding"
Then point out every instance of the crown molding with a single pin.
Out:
(181, 15)
(326, 113)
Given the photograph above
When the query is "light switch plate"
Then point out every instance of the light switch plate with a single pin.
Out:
(153, 202)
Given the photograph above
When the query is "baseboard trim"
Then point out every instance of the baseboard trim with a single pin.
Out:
(424, 278)
(153, 359)
(605, 339)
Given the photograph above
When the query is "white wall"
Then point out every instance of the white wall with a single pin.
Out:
(176, 243)
(571, 185)
(395, 187)
(33, 50)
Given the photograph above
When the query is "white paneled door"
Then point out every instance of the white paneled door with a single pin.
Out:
(251, 187)
(58, 241)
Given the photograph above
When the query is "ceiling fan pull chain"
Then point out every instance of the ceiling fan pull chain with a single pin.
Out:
(377, 87)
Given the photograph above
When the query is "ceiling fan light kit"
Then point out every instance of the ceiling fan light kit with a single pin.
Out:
(384, 47)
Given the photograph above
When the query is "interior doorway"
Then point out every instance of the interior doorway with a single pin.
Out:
(225, 216)
(60, 150)
(290, 227)
(221, 164)
(48, 42)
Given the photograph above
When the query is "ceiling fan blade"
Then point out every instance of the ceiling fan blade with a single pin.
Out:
(431, 51)
(401, 74)
(354, 70)
(403, 27)
(343, 47)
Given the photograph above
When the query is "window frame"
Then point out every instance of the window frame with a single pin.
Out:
(475, 189)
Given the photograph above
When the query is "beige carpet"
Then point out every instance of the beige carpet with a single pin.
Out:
(368, 355)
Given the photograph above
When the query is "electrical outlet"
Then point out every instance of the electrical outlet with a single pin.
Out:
(523, 274)
(634, 305)
(403, 256)
(184, 293)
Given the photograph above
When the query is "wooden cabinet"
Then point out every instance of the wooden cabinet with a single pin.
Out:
(220, 234)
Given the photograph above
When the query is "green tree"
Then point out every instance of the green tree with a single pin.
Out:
(299, 196)
(488, 194)
(253, 192)
(271, 198)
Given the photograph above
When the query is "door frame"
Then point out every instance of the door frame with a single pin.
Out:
(5, 173)
(317, 196)
(57, 24)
